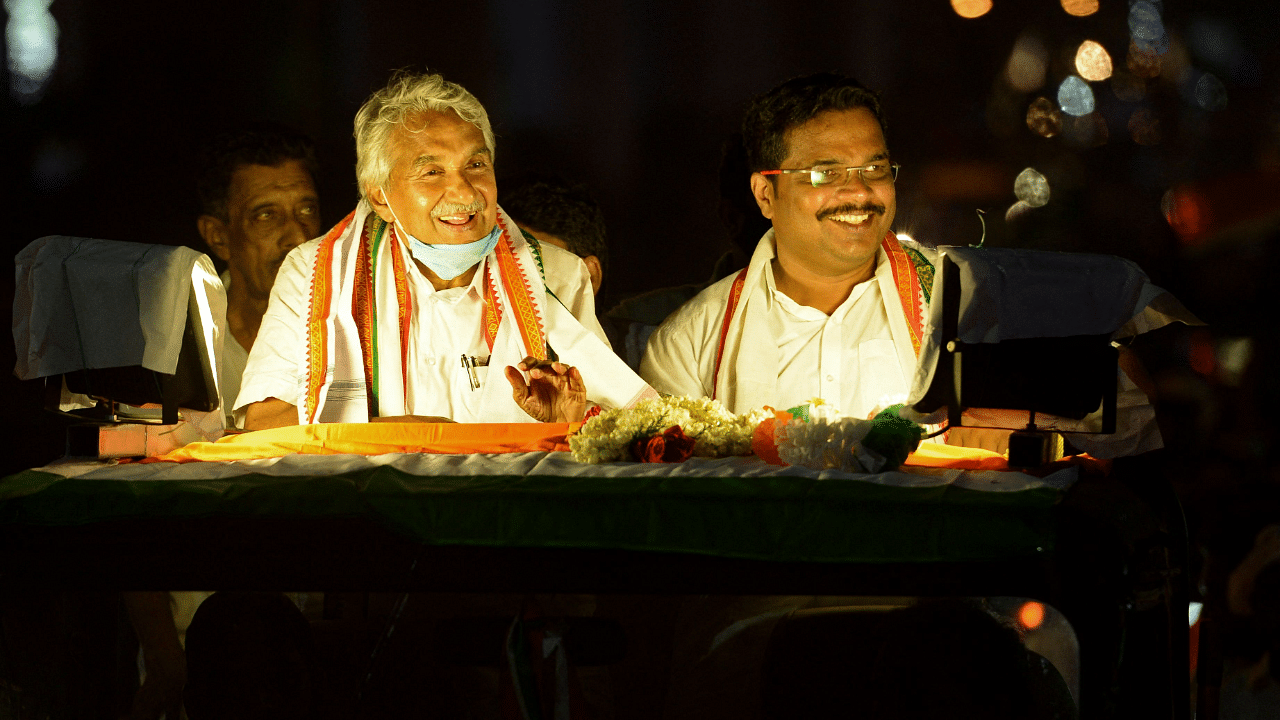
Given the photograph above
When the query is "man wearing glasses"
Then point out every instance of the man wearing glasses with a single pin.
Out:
(832, 303)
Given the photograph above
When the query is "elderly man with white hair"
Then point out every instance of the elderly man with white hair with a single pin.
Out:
(402, 309)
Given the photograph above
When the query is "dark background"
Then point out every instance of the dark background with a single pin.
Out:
(636, 99)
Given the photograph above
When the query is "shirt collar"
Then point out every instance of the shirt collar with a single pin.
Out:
(774, 296)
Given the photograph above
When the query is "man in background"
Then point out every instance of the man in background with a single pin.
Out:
(567, 216)
(258, 201)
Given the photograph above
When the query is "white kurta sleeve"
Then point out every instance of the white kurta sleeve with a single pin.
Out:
(275, 362)
(675, 360)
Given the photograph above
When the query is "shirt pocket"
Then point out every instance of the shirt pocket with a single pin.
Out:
(880, 379)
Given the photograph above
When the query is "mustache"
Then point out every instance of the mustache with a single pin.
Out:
(871, 208)
(451, 208)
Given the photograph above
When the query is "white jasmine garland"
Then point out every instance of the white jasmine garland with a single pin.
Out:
(719, 433)
(827, 443)
(817, 436)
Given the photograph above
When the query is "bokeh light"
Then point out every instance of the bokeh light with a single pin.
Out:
(1142, 63)
(1027, 63)
(1031, 614)
(1159, 46)
(1080, 8)
(1031, 188)
(1092, 61)
(1201, 356)
(1075, 97)
(1144, 21)
(1144, 127)
(1217, 42)
(1128, 87)
(1210, 93)
(1043, 118)
(971, 8)
(32, 38)
(1016, 212)
(1085, 131)
(1233, 355)
(1187, 212)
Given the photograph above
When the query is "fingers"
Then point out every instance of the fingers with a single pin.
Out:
(519, 389)
(538, 369)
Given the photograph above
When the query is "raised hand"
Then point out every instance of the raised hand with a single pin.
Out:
(555, 392)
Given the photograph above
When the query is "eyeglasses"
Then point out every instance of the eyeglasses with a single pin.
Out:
(876, 173)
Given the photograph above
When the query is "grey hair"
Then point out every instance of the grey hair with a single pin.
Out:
(407, 92)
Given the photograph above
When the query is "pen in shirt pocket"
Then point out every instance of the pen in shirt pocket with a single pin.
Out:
(470, 363)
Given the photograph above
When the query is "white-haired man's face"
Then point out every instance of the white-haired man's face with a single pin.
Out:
(442, 186)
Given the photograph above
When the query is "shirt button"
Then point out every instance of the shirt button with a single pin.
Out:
(431, 361)
(831, 378)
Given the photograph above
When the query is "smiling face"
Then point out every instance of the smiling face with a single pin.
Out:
(442, 187)
(270, 210)
(831, 231)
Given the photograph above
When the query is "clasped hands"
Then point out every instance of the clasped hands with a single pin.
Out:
(554, 393)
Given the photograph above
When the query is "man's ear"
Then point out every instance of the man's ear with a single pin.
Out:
(595, 272)
(764, 192)
(378, 201)
(215, 235)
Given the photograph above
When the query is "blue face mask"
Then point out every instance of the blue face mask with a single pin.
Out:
(446, 261)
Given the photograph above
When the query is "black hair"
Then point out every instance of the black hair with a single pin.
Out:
(793, 103)
(260, 144)
(551, 205)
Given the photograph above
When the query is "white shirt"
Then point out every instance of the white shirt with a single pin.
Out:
(846, 358)
(234, 357)
(783, 354)
(444, 326)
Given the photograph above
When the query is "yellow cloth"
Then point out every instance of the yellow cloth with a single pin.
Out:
(953, 456)
(377, 439)
(466, 438)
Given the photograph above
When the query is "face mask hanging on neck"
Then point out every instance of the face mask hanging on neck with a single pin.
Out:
(446, 261)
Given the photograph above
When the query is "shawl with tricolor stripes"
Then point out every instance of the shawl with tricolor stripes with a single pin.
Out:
(358, 326)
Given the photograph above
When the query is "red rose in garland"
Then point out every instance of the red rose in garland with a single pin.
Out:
(671, 446)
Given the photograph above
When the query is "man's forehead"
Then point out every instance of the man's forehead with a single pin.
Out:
(852, 135)
(426, 132)
(250, 180)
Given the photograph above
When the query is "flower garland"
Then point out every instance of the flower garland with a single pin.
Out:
(817, 437)
(814, 435)
(666, 429)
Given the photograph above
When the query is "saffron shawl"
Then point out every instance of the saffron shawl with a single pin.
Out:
(358, 327)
